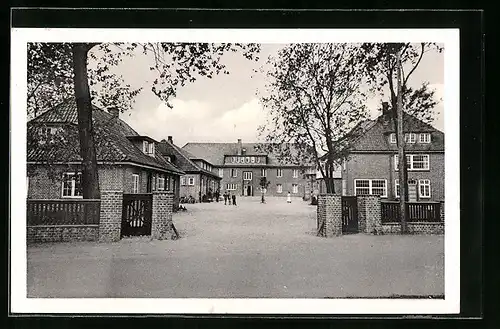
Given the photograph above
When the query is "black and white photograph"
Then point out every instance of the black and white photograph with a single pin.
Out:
(244, 171)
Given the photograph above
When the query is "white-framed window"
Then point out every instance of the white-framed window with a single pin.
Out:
(279, 188)
(396, 188)
(279, 172)
(135, 183)
(257, 160)
(161, 183)
(183, 181)
(190, 181)
(263, 172)
(410, 138)
(424, 188)
(370, 187)
(247, 175)
(392, 138)
(247, 160)
(72, 185)
(295, 173)
(295, 188)
(167, 185)
(424, 138)
(221, 172)
(148, 148)
(231, 186)
(414, 162)
(233, 159)
(252, 159)
(234, 172)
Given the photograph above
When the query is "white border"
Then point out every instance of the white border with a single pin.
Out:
(21, 304)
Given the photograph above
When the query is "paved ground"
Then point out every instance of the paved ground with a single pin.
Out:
(249, 250)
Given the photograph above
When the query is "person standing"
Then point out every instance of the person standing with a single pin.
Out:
(234, 199)
(225, 198)
(289, 197)
(217, 196)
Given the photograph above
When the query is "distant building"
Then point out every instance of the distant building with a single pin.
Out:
(201, 176)
(241, 166)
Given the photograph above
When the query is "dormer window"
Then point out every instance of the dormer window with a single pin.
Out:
(392, 138)
(148, 148)
(410, 138)
(425, 138)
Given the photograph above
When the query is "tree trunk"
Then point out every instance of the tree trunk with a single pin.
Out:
(90, 178)
(401, 152)
(330, 185)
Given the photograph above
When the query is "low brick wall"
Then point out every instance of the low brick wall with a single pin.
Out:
(110, 216)
(62, 233)
(414, 228)
(162, 215)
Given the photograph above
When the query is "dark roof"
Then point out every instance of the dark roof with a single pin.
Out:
(183, 159)
(111, 138)
(215, 152)
(373, 135)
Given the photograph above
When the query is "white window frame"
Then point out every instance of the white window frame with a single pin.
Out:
(145, 147)
(73, 185)
(279, 188)
(279, 172)
(151, 149)
(263, 172)
(424, 183)
(190, 181)
(410, 162)
(231, 186)
(396, 188)
(370, 186)
(424, 138)
(247, 175)
(183, 181)
(234, 172)
(295, 188)
(392, 138)
(295, 173)
(135, 183)
(252, 159)
(221, 172)
(161, 183)
(167, 183)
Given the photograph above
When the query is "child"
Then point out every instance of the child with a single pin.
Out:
(289, 198)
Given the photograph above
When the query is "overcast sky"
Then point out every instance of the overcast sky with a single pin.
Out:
(226, 107)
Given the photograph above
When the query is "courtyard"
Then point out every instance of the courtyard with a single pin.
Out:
(251, 250)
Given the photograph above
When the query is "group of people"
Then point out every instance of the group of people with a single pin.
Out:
(229, 199)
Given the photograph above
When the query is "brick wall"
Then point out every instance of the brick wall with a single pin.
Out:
(414, 228)
(62, 233)
(361, 214)
(373, 216)
(329, 212)
(162, 215)
(111, 216)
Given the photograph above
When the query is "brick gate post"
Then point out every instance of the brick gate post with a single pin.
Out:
(161, 227)
(373, 214)
(110, 219)
(329, 212)
(361, 213)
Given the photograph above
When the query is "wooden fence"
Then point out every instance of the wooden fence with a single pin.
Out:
(417, 212)
(63, 212)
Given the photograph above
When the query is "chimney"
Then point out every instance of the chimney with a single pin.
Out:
(114, 111)
(385, 108)
(169, 138)
(239, 146)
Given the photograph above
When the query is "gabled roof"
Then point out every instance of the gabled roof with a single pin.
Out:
(215, 152)
(111, 138)
(183, 159)
(373, 135)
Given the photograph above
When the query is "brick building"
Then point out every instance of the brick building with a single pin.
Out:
(372, 167)
(241, 166)
(201, 176)
(127, 162)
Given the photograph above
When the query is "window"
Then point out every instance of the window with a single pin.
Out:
(247, 175)
(221, 172)
(257, 160)
(183, 180)
(279, 188)
(148, 148)
(414, 162)
(295, 188)
(72, 185)
(370, 187)
(295, 173)
(234, 172)
(161, 183)
(231, 187)
(279, 173)
(396, 188)
(234, 159)
(425, 138)
(190, 181)
(167, 186)
(263, 172)
(392, 138)
(252, 159)
(410, 138)
(247, 160)
(154, 182)
(424, 188)
(135, 182)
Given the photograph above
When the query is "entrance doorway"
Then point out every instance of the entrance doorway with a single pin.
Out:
(349, 214)
(248, 190)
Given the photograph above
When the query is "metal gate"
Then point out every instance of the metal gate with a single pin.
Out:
(136, 214)
(349, 214)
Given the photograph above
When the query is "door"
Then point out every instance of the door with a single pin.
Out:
(249, 191)
(136, 214)
(349, 214)
(149, 185)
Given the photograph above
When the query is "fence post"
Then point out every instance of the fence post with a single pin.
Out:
(373, 214)
(110, 216)
(441, 210)
(162, 215)
(361, 214)
(329, 214)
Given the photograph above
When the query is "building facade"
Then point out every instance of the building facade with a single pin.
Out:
(372, 166)
(126, 161)
(241, 167)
